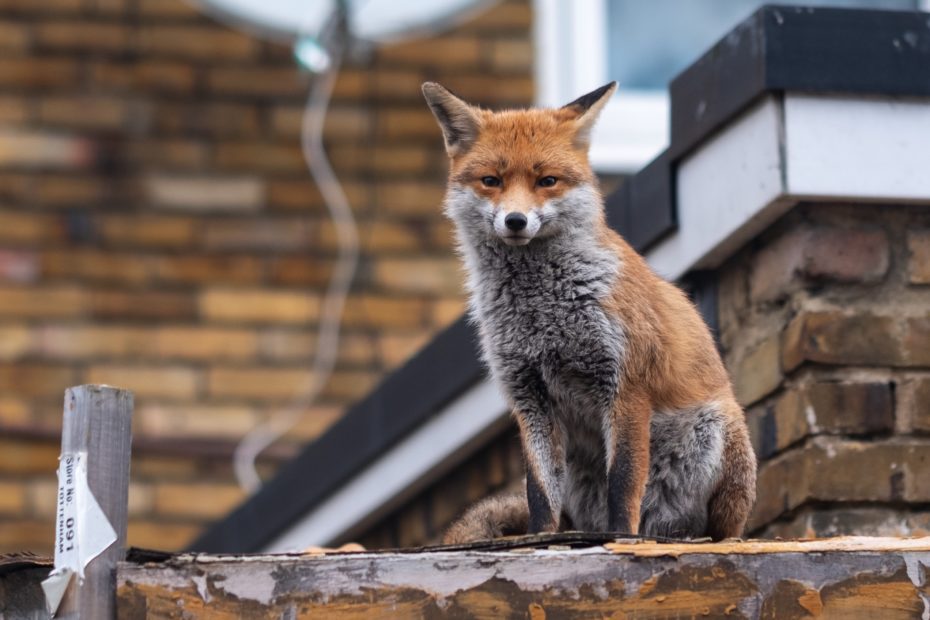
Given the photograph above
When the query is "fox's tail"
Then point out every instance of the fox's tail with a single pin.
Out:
(504, 514)
(732, 501)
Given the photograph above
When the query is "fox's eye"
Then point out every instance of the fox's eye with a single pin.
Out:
(547, 181)
(491, 181)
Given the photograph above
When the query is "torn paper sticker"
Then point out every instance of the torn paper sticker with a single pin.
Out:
(82, 530)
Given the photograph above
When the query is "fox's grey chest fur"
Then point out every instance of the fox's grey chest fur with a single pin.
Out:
(554, 350)
(544, 331)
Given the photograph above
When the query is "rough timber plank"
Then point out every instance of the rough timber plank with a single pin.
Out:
(21, 595)
(840, 578)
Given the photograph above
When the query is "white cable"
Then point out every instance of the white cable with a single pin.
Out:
(327, 349)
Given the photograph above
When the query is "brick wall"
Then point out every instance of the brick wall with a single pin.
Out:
(826, 331)
(159, 231)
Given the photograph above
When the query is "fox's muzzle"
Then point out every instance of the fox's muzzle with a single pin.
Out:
(516, 227)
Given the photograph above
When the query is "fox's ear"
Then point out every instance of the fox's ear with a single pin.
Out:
(586, 109)
(459, 121)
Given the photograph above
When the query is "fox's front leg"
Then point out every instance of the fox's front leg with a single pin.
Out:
(545, 469)
(627, 462)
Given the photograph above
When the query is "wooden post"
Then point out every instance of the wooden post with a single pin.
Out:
(98, 424)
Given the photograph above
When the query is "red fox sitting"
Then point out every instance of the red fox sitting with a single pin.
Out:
(626, 414)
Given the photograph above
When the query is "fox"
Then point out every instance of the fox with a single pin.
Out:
(626, 414)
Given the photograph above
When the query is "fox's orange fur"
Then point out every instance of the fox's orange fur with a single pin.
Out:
(672, 362)
(607, 365)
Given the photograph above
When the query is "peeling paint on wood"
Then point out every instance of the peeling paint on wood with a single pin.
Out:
(748, 547)
(835, 578)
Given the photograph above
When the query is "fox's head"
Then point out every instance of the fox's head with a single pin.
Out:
(520, 175)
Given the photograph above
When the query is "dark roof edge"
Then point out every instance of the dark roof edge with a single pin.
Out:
(441, 371)
(776, 49)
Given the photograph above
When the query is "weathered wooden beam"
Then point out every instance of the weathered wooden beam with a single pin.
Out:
(96, 438)
(835, 578)
(21, 595)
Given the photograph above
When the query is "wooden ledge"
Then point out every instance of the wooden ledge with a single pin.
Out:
(875, 544)
(842, 577)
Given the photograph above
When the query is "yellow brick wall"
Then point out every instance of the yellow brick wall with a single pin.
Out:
(159, 231)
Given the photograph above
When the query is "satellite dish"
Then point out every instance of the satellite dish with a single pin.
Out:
(371, 21)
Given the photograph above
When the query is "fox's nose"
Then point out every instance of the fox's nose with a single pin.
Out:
(515, 221)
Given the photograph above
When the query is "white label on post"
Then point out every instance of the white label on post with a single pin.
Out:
(66, 519)
(82, 530)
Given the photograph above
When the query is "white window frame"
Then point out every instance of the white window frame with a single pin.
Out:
(571, 60)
